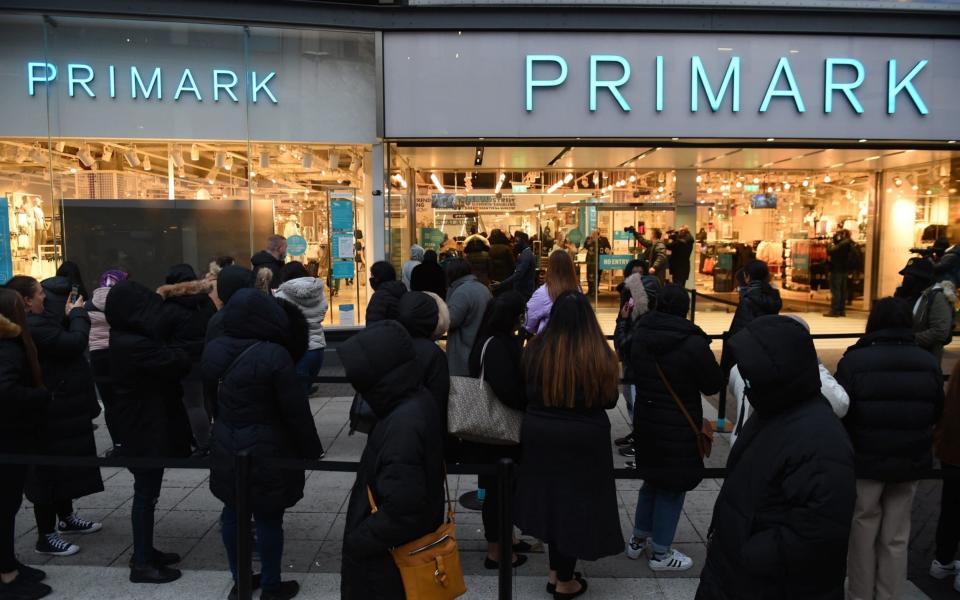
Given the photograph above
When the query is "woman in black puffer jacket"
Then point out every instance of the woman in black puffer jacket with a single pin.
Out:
(663, 437)
(262, 408)
(24, 401)
(148, 422)
(402, 462)
(61, 332)
(896, 396)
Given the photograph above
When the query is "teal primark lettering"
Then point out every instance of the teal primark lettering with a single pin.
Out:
(151, 83)
(841, 80)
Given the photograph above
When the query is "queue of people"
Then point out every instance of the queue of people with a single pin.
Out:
(821, 471)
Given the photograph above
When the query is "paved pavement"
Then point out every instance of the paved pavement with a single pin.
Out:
(187, 523)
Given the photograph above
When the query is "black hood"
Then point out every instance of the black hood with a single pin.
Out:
(383, 303)
(180, 273)
(662, 332)
(133, 307)
(231, 279)
(418, 313)
(253, 315)
(57, 290)
(778, 362)
(263, 259)
(381, 364)
(673, 300)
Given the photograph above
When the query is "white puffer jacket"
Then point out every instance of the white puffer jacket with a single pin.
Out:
(307, 294)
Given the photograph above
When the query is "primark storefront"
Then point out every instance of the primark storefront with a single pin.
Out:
(191, 130)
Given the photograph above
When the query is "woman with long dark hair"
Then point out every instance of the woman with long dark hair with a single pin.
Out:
(60, 327)
(24, 404)
(571, 377)
(497, 354)
(561, 277)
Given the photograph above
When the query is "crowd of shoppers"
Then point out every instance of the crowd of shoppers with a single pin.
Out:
(822, 470)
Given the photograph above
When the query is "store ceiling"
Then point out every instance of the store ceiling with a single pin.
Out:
(522, 157)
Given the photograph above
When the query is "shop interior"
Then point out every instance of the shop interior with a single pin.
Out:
(781, 205)
(145, 205)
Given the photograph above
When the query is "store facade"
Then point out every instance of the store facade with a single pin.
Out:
(178, 133)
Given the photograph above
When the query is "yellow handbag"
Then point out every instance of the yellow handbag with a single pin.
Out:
(430, 565)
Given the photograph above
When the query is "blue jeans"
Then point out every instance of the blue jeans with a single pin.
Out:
(838, 291)
(269, 543)
(146, 492)
(629, 394)
(308, 367)
(658, 513)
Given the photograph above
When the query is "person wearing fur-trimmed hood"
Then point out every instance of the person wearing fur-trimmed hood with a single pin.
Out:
(308, 295)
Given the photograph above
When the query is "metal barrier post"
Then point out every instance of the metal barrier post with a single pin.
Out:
(505, 488)
(693, 305)
(242, 464)
(722, 398)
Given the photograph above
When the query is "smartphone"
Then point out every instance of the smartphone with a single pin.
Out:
(74, 294)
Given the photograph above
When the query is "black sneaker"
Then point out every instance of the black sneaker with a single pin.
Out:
(29, 573)
(54, 545)
(74, 524)
(624, 441)
(627, 451)
(153, 574)
(254, 585)
(284, 591)
(24, 589)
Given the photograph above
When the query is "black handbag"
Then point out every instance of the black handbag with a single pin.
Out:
(362, 418)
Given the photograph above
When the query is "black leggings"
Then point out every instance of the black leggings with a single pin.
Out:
(11, 495)
(948, 527)
(491, 507)
(562, 564)
(47, 514)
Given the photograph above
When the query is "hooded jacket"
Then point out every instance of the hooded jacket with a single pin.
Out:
(230, 279)
(420, 314)
(149, 420)
(383, 303)
(99, 328)
(896, 396)
(307, 294)
(782, 520)
(402, 463)
(265, 260)
(67, 428)
(467, 300)
(261, 406)
(757, 299)
(23, 404)
(663, 435)
(416, 257)
(186, 310)
(933, 317)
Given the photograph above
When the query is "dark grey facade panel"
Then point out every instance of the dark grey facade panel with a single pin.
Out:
(399, 16)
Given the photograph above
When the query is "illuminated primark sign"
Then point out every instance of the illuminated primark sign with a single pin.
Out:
(841, 78)
(216, 85)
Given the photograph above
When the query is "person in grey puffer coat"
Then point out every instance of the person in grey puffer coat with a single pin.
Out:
(416, 259)
(307, 294)
(467, 299)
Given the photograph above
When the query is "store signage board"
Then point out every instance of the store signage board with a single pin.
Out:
(343, 246)
(431, 237)
(6, 257)
(668, 85)
(614, 262)
(296, 245)
(751, 187)
(119, 79)
(343, 269)
(519, 188)
(341, 215)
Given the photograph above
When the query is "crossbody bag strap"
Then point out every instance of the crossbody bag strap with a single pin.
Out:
(233, 363)
(483, 354)
(683, 409)
(446, 490)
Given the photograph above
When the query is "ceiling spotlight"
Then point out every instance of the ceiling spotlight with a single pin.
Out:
(769, 189)
(756, 180)
(699, 179)
(60, 146)
(500, 180)
(596, 178)
(633, 178)
(826, 179)
(37, 155)
(568, 178)
(85, 156)
(228, 163)
(107, 153)
(478, 157)
(74, 170)
(897, 181)
(176, 156)
(212, 175)
(739, 184)
(220, 159)
(131, 156)
(805, 182)
(433, 178)
(181, 171)
(194, 152)
(786, 185)
(916, 187)
(771, 139)
(146, 163)
(862, 140)
(709, 190)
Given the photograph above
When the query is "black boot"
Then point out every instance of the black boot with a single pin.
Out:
(153, 574)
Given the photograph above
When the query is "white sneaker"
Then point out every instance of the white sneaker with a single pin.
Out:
(637, 547)
(941, 571)
(671, 561)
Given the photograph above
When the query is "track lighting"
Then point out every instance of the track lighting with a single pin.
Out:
(37, 155)
(212, 174)
(107, 153)
(228, 163)
(176, 156)
(85, 156)
(333, 157)
(60, 146)
(131, 157)
(436, 182)
(146, 163)
(194, 152)
(500, 180)
(219, 159)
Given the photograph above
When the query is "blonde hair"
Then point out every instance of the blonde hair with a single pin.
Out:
(264, 279)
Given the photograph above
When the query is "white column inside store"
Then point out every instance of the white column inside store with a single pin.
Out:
(686, 211)
(376, 228)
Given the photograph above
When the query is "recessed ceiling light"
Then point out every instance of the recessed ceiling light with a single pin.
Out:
(861, 140)
(770, 139)
(951, 141)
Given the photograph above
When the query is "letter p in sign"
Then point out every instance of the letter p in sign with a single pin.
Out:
(532, 59)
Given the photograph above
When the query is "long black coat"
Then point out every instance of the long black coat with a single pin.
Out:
(67, 428)
(663, 436)
(261, 406)
(147, 420)
(402, 462)
(22, 403)
(782, 520)
(566, 493)
(502, 369)
(896, 397)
